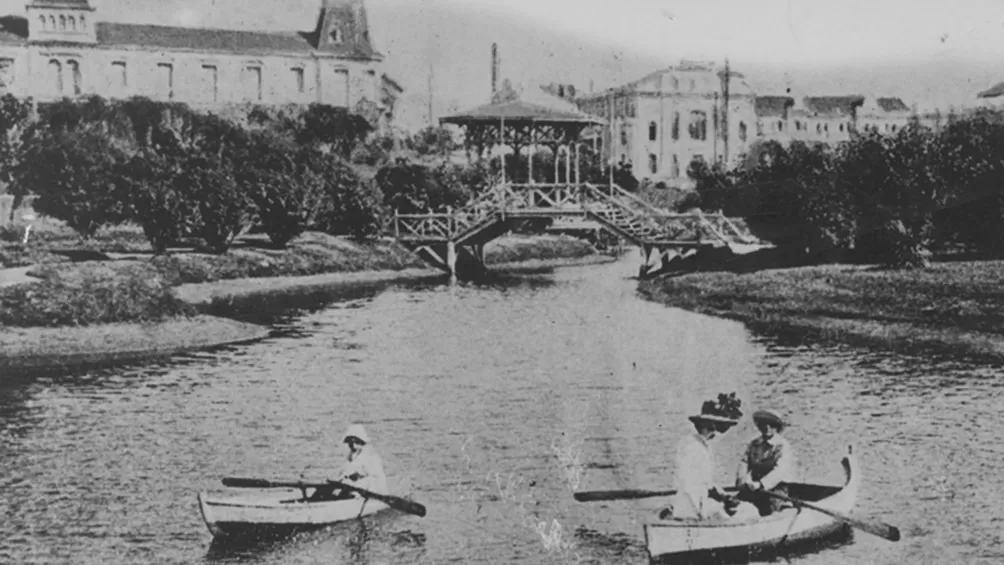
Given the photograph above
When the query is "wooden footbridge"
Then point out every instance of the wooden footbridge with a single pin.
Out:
(524, 123)
(441, 237)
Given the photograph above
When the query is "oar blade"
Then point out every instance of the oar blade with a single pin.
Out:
(239, 482)
(629, 494)
(879, 529)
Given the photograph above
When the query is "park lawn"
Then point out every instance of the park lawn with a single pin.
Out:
(953, 307)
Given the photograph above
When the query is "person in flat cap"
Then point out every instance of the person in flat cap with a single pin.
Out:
(697, 496)
(364, 468)
(767, 465)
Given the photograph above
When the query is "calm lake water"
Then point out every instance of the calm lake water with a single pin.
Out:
(496, 400)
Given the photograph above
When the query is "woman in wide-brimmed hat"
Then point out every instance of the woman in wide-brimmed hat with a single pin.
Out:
(697, 496)
(767, 464)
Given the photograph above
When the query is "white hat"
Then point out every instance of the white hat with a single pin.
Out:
(356, 431)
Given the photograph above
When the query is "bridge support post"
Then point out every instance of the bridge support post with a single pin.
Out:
(451, 258)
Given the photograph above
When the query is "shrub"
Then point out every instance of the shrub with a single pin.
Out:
(155, 199)
(91, 297)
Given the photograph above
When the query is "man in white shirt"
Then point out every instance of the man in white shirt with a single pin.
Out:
(768, 463)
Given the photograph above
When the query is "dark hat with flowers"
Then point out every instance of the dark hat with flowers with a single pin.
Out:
(723, 413)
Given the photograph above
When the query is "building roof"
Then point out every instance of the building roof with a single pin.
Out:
(15, 30)
(61, 4)
(773, 105)
(520, 111)
(992, 92)
(832, 104)
(892, 105)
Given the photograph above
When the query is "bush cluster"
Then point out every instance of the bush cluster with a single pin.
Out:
(889, 199)
(179, 174)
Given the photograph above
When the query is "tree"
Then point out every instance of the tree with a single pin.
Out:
(276, 176)
(156, 197)
(74, 175)
(333, 128)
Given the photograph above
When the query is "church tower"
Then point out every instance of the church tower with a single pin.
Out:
(343, 28)
(70, 21)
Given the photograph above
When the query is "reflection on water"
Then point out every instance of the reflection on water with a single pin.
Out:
(496, 400)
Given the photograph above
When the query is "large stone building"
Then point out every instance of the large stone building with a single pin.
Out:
(62, 48)
(664, 121)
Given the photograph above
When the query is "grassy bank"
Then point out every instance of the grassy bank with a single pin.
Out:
(951, 308)
(29, 349)
(121, 281)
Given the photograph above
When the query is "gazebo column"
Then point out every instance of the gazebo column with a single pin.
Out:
(556, 151)
(568, 164)
(578, 179)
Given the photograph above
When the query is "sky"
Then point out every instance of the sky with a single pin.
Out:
(932, 53)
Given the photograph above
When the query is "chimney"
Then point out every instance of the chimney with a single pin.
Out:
(495, 68)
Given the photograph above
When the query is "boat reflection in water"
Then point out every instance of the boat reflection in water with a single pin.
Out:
(371, 539)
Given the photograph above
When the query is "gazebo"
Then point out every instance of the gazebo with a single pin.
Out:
(526, 121)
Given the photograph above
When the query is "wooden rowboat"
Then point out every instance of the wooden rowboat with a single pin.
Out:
(709, 541)
(270, 513)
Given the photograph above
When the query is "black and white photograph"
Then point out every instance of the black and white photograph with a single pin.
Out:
(486, 282)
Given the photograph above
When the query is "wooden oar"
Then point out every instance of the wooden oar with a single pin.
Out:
(875, 528)
(395, 502)
(627, 494)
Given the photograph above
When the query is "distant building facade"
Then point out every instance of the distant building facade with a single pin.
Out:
(666, 120)
(62, 48)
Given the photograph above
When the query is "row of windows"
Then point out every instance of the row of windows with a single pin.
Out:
(65, 79)
(65, 23)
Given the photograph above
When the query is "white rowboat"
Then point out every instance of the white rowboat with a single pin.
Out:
(282, 512)
(703, 541)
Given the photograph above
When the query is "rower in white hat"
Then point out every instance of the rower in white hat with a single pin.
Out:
(364, 468)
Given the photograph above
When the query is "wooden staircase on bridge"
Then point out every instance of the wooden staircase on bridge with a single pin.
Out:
(436, 236)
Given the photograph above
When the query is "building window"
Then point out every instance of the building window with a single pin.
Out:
(336, 35)
(841, 127)
(894, 128)
(6, 72)
(631, 108)
(56, 77)
(759, 128)
(676, 125)
(165, 82)
(298, 79)
(819, 128)
(780, 125)
(42, 22)
(698, 125)
(210, 79)
(252, 83)
(826, 128)
(340, 89)
(73, 23)
(676, 83)
(120, 80)
(75, 76)
(62, 23)
(693, 85)
(742, 131)
(798, 125)
(624, 136)
(52, 23)
(653, 163)
(653, 131)
(83, 23)
(675, 170)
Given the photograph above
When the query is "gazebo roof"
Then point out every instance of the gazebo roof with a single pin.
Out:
(544, 110)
